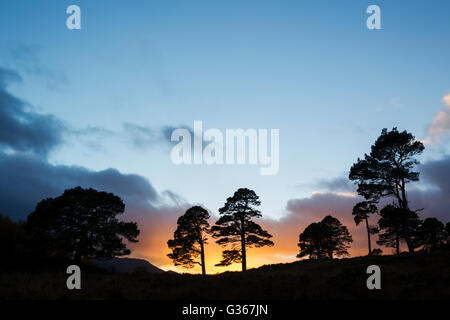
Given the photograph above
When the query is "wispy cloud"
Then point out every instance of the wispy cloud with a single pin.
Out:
(395, 102)
(337, 184)
(27, 59)
(440, 127)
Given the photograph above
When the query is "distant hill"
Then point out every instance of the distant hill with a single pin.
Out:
(127, 265)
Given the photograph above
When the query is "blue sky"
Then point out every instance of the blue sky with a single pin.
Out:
(309, 68)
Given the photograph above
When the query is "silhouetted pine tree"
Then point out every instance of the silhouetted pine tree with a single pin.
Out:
(189, 239)
(236, 228)
(361, 212)
(387, 170)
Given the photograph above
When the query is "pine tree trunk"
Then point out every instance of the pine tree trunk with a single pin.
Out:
(244, 259)
(406, 232)
(406, 221)
(368, 237)
(330, 248)
(243, 251)
(397, 244)
(202, 256)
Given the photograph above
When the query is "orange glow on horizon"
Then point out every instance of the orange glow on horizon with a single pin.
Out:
(154, 249)
(158, 227)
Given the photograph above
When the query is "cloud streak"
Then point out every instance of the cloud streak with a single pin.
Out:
(26, 57)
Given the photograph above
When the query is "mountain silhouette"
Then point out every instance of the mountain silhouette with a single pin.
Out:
(127, 265)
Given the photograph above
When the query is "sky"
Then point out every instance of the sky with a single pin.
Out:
(95, 106)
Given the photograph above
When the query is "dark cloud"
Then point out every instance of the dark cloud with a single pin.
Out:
(319, 205)
(435, 199)
(437, 173)
(22, 129)
(25, 179)
(7, 77)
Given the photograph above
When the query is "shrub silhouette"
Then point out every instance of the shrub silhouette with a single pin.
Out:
(327, 238)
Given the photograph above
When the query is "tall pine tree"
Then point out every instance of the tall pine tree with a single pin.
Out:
(387, 170)
(189, 239)
(235, 227)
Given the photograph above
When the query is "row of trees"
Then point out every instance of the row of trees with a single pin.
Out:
(329, 238)
(382, 174)
(428, 235)
(83, 223)
(235, 230)
(385, 174)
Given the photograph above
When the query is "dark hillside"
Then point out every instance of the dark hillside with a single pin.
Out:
(427, 278)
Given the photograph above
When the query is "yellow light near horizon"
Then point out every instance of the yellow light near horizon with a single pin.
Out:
(153, 247)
